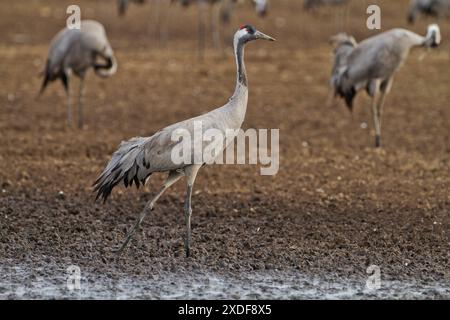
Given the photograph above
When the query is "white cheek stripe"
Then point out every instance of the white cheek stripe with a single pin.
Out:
(239, 35)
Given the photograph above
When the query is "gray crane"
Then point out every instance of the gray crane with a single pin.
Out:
(76, 51)
(136, 159)
(435, 8)
(372, 64)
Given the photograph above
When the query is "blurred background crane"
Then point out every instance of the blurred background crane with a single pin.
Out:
(372, 64)
(76, 51)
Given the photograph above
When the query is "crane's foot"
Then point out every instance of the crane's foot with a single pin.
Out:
(148, 207)
(124, 244)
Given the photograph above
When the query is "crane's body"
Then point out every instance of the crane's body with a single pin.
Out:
(138, 158)
(372, 64)
(76, 51)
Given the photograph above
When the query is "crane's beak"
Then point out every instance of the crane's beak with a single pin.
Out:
(260, 35)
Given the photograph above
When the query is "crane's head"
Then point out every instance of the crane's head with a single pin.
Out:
(248, 33)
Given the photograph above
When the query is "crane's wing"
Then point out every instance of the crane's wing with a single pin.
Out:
(135, 160)
(60, 47)
(376, 58)
(138, 158)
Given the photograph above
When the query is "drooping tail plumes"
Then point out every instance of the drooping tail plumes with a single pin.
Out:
(348, 94)
(128, 164)
(50, 76)
(46, 80)
(343, 47)
(343, 86)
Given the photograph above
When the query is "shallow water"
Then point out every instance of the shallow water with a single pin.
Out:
(21, 282)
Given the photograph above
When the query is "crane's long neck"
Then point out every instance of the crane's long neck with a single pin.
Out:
(241, 72)
(238, 102)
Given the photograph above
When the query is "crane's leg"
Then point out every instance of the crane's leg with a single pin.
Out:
(173, 177)
(191, 174)
(385, 88)
(80, 103)
(65, 81)
(375, 90)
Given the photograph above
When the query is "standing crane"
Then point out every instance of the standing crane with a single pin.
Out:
(435, 8)
(136, 159)
(76, 51)
(372, 64)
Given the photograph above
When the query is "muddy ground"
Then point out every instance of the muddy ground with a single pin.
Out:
(336, 206)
